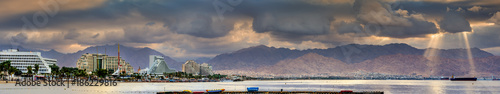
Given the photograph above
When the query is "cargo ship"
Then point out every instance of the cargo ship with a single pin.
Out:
(463, 79)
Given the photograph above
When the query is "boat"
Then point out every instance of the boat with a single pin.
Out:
(252, 89)
(187, 91)
(346, 91)
(464, 79)
(215, 90)
(235, 80)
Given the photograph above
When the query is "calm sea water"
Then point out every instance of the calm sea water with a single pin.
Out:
(388, 86)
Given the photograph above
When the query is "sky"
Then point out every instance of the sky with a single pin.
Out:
(205, 28)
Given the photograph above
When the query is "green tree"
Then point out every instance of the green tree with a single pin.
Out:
(101, 73)
(29, 70)
(13, 70)
(16, 71)
(54, 69)
(80, 73)
(37, 67)
(5, 66)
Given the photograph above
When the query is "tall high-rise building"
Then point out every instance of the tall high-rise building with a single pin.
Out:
(92, 62)
(194, 68)
(21, 60)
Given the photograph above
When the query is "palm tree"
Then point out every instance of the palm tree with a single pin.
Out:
(5, 66)
(12, 70)
(55, 69)
(36, 68)
(29, 70)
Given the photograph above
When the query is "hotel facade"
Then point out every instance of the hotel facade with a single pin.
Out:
(21, 60)
(92, 62)
(191, 67)
(158, 66)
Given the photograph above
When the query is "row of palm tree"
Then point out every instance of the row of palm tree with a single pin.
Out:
(8, 70)
(31, 71)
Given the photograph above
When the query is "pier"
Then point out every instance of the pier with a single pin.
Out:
(278, 92)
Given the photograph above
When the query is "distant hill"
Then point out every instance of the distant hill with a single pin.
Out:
(137, 57)
(401, 64)
(310, 63)
(261, 56)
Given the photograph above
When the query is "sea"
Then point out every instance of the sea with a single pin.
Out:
(387, 86)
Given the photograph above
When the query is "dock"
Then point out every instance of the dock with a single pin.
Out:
(280, 92)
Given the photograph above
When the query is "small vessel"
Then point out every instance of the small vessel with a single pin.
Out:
(187, 91)
(463, 78)
(252, 89)
(235, 80)
(215, 90)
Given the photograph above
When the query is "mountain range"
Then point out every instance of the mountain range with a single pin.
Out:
(258, 56)
(394, 58)
(391, 58)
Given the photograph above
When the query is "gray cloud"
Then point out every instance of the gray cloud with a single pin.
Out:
(71, 34)
(19, 39)
(146, 34)
(376, 12)
(485, 37)
(200, 25)
(293, 23)
(380, 19)
(454, 22)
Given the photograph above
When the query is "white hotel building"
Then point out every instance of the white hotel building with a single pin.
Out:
(21, 60)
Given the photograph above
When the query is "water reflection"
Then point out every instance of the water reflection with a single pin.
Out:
(388, 86)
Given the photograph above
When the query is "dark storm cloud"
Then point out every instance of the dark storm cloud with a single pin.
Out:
(146, 34)
(286, 19)
(199, 17)
(194, 17)
(454, 22)
(195, 24)
(381, 19)
(418, 29)
(292, 18)
(438, 10)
